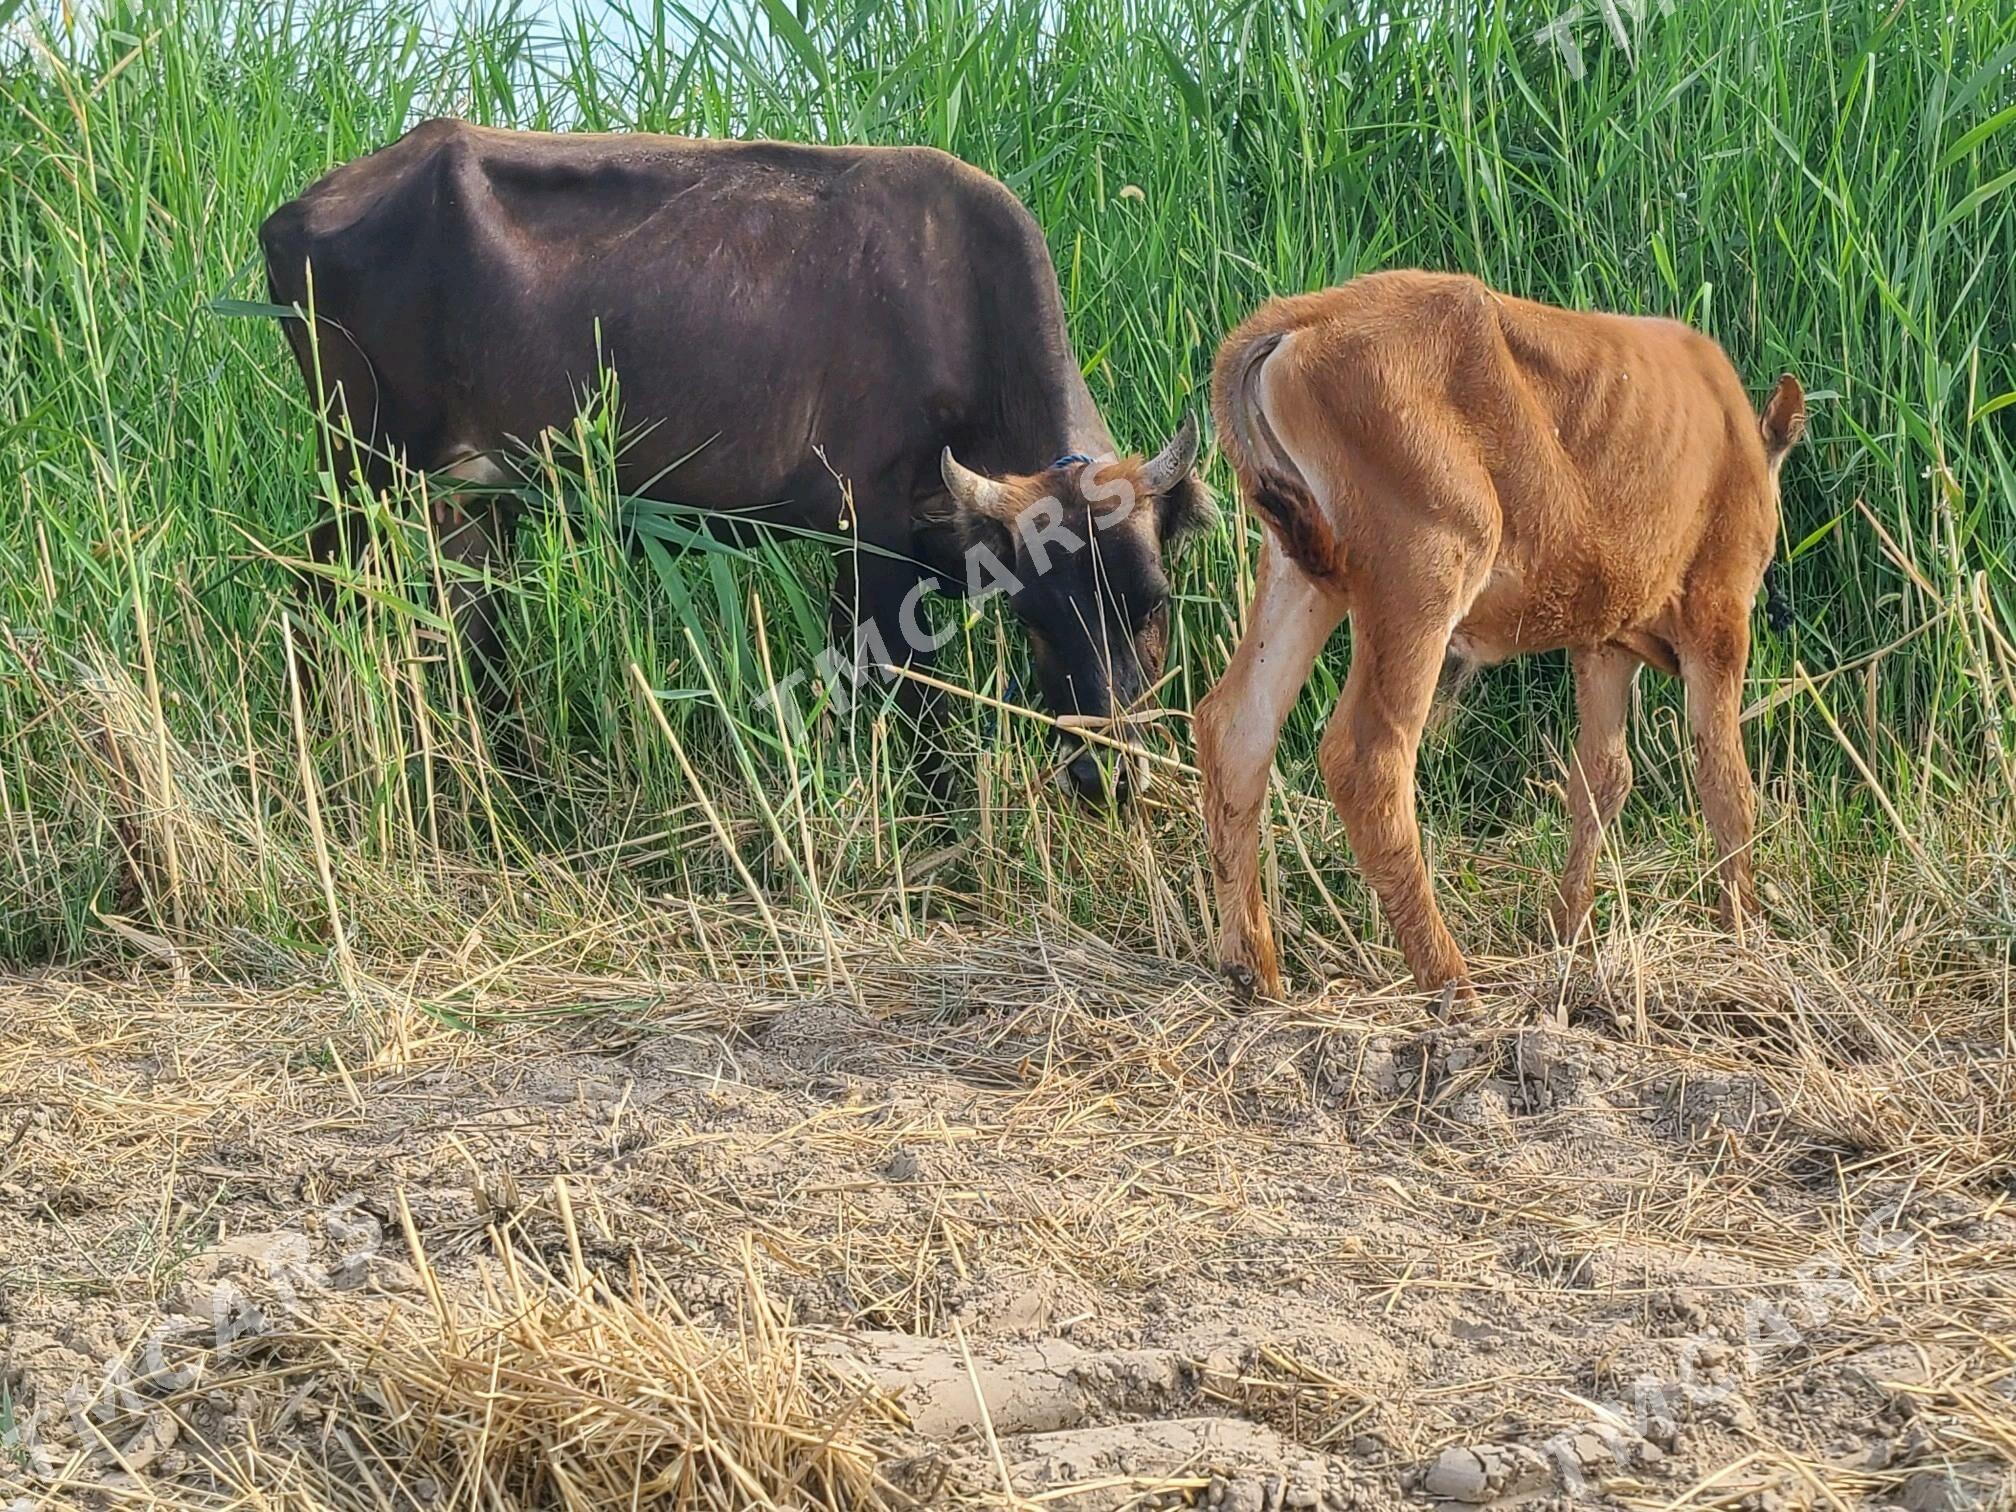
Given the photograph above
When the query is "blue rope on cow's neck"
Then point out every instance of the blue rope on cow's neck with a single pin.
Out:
(1070, 457)
(990, 724)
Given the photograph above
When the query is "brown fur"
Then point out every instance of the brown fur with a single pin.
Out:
(1459, 471)
(800, 331)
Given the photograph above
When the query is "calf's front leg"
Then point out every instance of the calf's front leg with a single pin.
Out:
(1712, 661)
(1599, 776)
(1238, 724)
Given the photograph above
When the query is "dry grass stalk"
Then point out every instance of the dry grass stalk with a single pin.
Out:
(561, 1389)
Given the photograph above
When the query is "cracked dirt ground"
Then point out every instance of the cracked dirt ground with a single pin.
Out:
(1007, 1224)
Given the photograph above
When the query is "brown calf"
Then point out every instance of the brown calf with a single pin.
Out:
(1468, 474)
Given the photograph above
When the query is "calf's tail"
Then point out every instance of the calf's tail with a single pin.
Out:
(1783, 423)
(1274, 486)
(1777, 605)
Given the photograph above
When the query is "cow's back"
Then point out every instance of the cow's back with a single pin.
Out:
(760, 302)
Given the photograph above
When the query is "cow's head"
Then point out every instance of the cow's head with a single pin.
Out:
(1078, 550)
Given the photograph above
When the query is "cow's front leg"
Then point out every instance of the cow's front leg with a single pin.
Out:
(878, 629)
(474, 529)
(1238, 724)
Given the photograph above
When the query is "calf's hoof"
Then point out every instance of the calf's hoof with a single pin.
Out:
(1570, 927)
(1242, 981)
(1457, 1003)
(1748, 930)
(1249, 985)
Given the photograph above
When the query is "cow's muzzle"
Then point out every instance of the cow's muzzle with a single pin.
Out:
(1096, 778)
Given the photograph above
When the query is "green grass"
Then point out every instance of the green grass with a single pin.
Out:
(1828, 188)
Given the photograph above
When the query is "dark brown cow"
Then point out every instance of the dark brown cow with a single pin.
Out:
(1465, 473)
(780, 317)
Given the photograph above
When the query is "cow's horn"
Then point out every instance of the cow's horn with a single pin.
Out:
(1172, 464)
(970, 490)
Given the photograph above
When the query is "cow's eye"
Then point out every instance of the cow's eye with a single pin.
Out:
(1149, 610)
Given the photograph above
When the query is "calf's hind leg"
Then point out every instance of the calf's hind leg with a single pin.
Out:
(1238, 724)
(1368, 756)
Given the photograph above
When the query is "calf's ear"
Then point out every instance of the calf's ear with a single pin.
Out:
(1784, 420)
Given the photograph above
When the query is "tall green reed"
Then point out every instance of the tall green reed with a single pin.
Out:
(1823, 187)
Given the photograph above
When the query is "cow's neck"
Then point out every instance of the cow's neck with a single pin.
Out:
(1085, 428)
(1063, 421)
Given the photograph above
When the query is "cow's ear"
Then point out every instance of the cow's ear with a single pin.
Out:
(1185, 509)
(988, 533)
